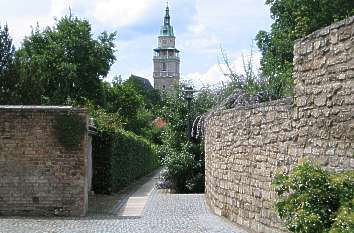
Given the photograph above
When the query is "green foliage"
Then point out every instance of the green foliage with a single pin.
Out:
(343, 182)
(69, 129)
(8, 75)
(174, 110)
(204, 101)
(132, 157)
(179, 165)
(293, 19)
(183, 171)
(150, 95)
(124, 100)
(105, 121)
(344, 220)
(182, 157)
(250, 86)
(141, 124)
(311, 199)
(64, 62)
(119, 158)
(101, 162)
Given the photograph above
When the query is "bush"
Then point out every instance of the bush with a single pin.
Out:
(344, 186)
(120, 158)
(311, 199)
(344, 221)
(184, 173)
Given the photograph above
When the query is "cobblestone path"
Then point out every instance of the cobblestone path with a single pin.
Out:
(164, 213)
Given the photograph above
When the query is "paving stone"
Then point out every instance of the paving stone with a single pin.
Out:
(164, 213)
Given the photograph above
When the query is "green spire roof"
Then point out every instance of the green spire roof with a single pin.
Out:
(167, 29)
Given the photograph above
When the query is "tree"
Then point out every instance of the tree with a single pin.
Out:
(123, 99)
(64, 63)
(8, 76)
(150, 95)
(293, 19)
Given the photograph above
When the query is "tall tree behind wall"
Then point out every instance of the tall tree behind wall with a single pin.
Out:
(293, 19)
(64, 63)
(8, 76)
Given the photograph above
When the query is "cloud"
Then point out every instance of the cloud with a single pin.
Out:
(30, 13)
(198, 43)
(201, 28)
(214, 75)
(60, 7)
(123, 13)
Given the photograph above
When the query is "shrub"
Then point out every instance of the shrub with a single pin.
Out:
(344, 186)
(120, 158)
(184, 173)
(344, 221)
(311, 199)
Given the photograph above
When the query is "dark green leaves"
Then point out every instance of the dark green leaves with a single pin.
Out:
(8, 75)
(311, 199)
(293, 19)
(69, 129)
(65, 62)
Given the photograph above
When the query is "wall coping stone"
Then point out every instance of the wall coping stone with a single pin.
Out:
(30, 108)
(326, 30)
(287, 101)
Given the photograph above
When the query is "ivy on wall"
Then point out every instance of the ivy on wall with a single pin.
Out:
(69, 129)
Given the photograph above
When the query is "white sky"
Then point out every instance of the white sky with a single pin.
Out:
(202, 27)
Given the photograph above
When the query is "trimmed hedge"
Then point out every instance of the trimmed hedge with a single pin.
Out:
(120, 158)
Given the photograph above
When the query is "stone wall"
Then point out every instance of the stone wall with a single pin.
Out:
(38, 175)
(323, 115)
(247, 145)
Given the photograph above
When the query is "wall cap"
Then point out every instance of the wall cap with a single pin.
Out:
(30, 108)
(326, 30)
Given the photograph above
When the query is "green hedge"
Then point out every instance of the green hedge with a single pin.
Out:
(119, 159)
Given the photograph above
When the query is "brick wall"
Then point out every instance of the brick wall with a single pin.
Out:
(38, 175)
(247, 145)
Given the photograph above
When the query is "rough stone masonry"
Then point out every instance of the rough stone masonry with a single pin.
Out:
(245, 146)
(38, 175)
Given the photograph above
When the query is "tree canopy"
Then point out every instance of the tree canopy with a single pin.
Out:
(64, 63)
(150, 95)
(293, 19)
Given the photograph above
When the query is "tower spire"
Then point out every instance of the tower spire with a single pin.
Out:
(167, 20)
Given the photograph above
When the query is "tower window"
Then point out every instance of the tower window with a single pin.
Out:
(163, 66)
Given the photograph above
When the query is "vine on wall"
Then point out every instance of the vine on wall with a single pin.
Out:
(69, 129)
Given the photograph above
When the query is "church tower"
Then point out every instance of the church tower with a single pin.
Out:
(166, 58)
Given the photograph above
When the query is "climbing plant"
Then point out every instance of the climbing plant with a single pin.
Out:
(69, 129)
